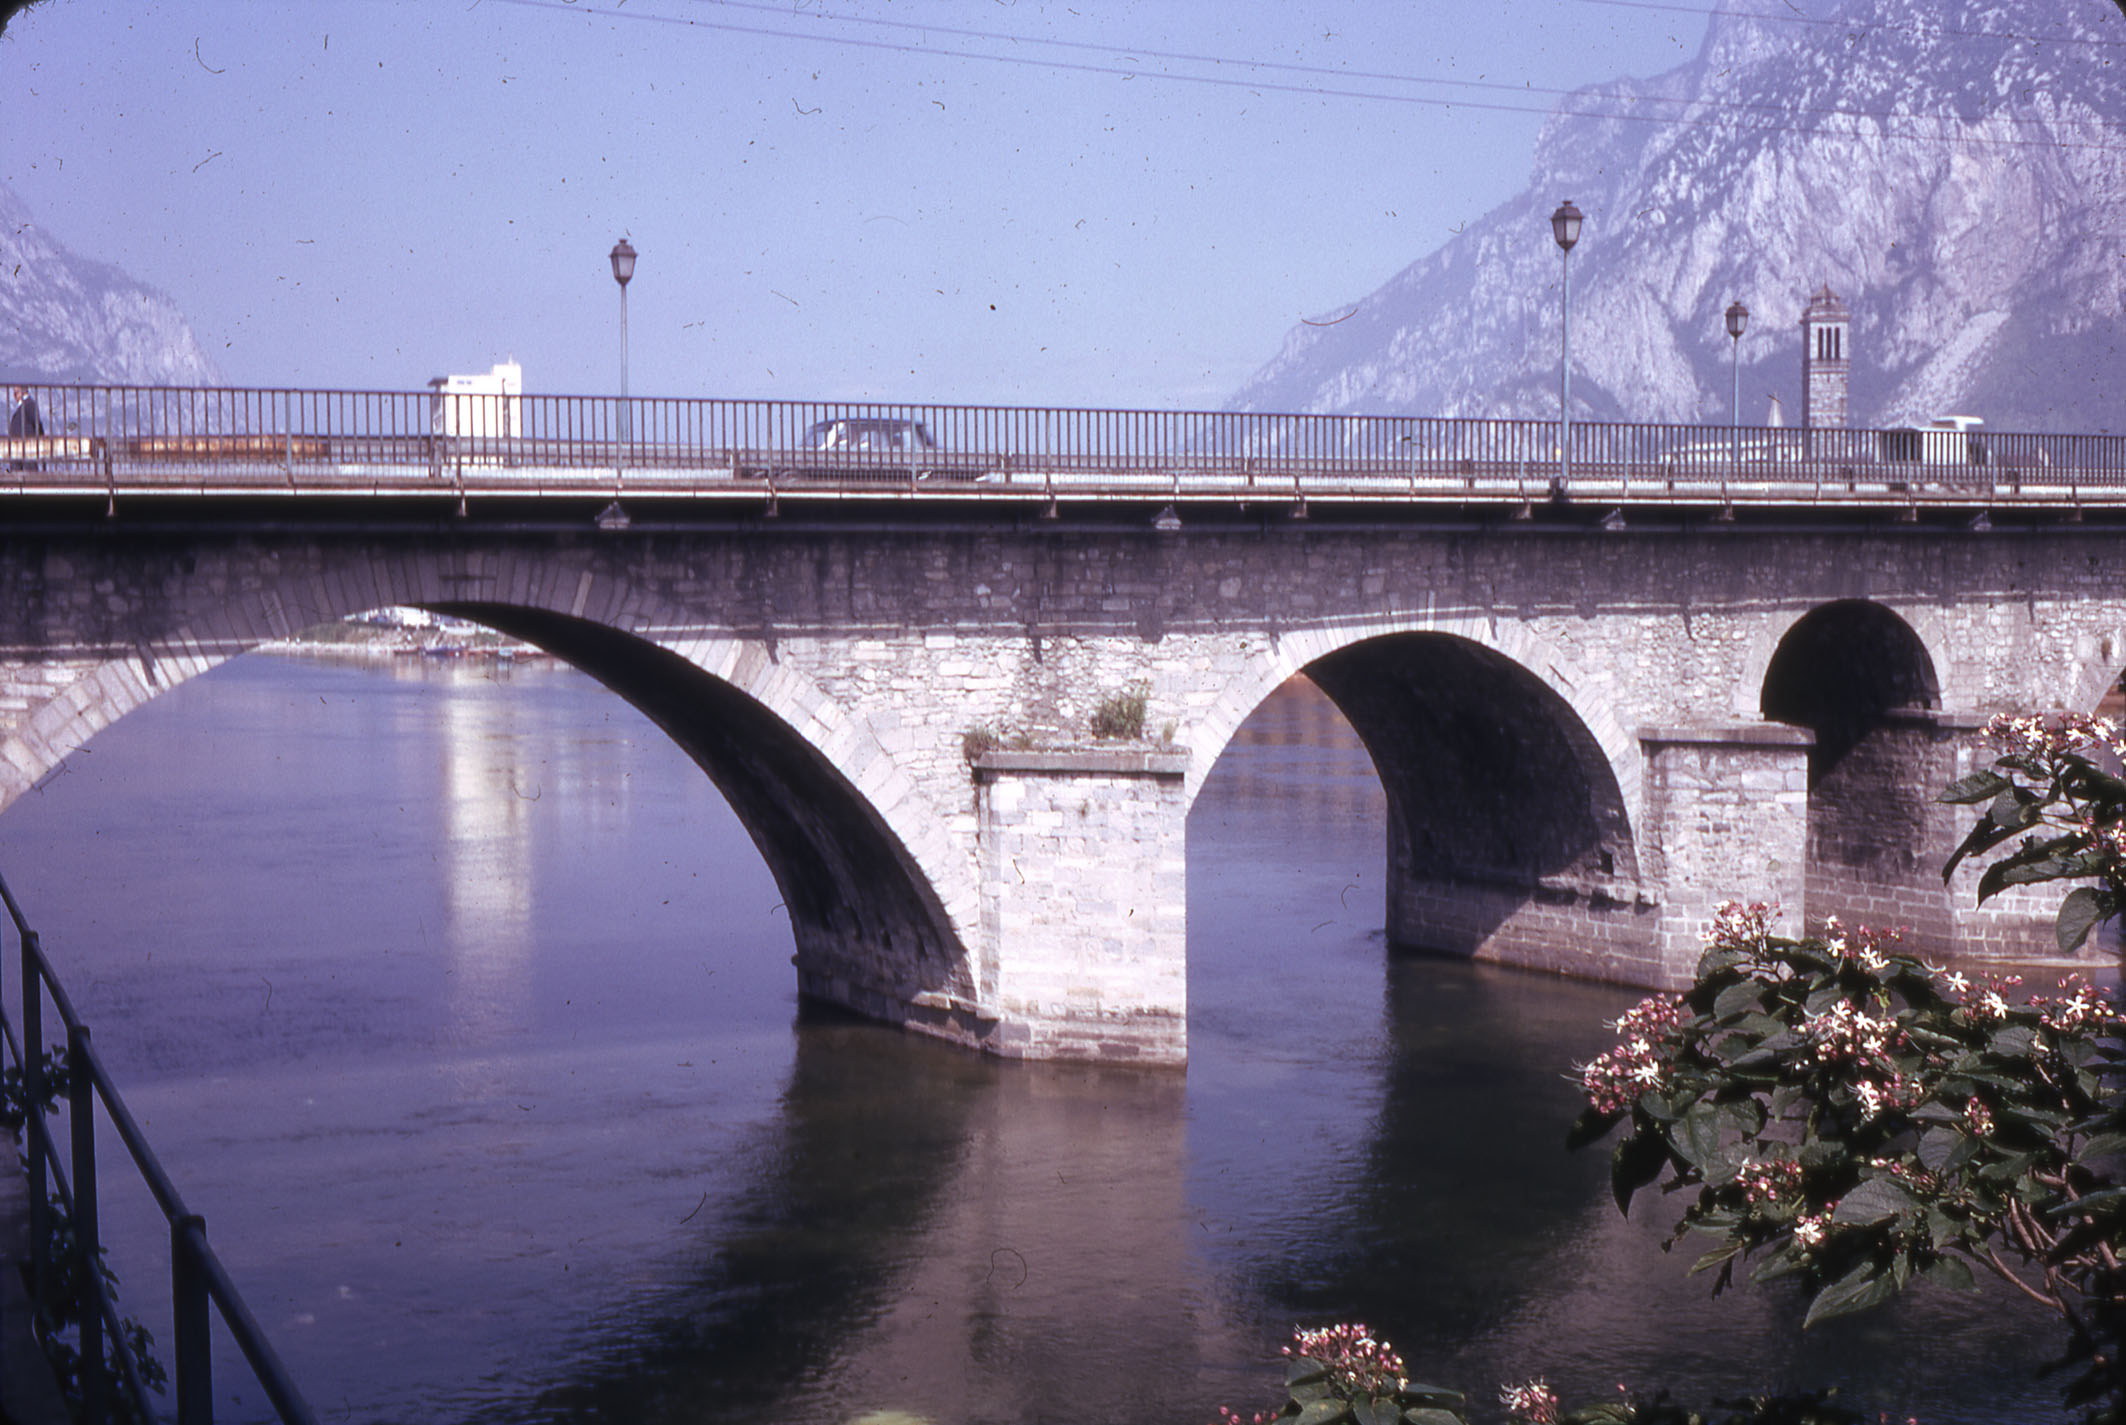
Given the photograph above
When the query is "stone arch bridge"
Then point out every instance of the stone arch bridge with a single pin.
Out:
(1590, 730)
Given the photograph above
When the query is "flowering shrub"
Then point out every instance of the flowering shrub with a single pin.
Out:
(1842, 1113)
(1846, 1114)
(1344, 1375)
(2047, 788)
(1834, 1110)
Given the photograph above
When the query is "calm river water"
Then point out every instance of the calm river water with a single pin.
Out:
(460, 1005)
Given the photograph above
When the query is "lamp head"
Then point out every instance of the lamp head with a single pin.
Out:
(1738, 320)
(623, 256)
(1565, 224)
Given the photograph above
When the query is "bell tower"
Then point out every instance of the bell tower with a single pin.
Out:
(1826, 360)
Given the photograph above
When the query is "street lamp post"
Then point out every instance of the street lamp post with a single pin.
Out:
(1565, 227)
(623, 257)
(1738, 320)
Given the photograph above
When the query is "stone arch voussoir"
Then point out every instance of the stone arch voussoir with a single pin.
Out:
(1291, 652)
(205, 631)
(1927, 624)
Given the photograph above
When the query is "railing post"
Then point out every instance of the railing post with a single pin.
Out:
(81, 1103)
(191, 1323)
(33, 1091)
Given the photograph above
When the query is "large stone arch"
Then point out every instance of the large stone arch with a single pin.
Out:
(1605, 738)
(1513, 799)
(883, 905)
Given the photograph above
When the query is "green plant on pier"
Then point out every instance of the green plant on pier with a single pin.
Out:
(1120, 716)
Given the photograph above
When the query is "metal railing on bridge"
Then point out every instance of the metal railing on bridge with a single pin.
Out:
(196, 440)
(64, 1189)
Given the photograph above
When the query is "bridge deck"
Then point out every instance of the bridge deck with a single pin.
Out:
(168, 442)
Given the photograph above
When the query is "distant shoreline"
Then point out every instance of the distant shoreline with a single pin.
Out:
(372, 642)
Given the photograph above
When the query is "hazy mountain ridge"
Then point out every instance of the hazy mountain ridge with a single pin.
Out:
(1977, 258)
(67, 318)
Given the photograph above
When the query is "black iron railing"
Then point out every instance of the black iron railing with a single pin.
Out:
(199, 1285)
(125, 439)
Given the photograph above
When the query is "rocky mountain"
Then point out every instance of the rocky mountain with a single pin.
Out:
(1955, 170)
(67, 318)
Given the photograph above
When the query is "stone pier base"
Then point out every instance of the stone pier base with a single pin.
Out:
(1727, 813)
(1084, 904)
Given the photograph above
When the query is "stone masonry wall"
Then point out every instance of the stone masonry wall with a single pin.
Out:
(1729, 821)
(879, 648)
(1084, 877)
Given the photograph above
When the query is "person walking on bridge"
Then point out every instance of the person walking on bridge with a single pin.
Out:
(23, 419)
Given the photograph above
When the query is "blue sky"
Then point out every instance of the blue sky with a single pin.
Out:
(938, 200)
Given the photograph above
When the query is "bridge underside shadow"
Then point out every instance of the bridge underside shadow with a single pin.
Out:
(1860, 678)
(871, 935)
(1508, 836)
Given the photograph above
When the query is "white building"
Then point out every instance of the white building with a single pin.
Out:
(479, 406)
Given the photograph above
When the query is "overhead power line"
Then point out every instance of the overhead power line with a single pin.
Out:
(1352, 75)
(1326, 92)
(1790, 17)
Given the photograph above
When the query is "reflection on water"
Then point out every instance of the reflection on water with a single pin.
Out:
(484, 845)
(463, 1009)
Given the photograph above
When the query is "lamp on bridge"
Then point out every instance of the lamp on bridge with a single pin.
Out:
(623, 256)
(1738, 320)
(1565, 227)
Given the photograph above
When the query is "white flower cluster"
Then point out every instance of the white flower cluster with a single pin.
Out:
(1359, 1365)
(2041, 738)
(1531, 1401)
(1849, 1034)
(1614, 1082)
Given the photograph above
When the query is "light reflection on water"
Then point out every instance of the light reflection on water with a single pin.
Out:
(464, 1012)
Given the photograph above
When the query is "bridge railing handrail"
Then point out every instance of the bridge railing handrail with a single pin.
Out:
(198, 1277)
(259, 438)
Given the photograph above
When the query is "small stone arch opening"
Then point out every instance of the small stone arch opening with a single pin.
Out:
(1859, 677)
(872, 934)
(1508, 836)
(1842, 671)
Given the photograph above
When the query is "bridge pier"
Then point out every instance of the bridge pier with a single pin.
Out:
(1084, 903)
(1727, 819)
(1879, 834)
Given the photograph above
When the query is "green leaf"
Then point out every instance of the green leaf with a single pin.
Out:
(2014, 1041)
(1323, 1412)
(2014, 807)
(1978, 787)
(2036, 862)
(1951, 1273)
(1935, 1146)
(1983, 837)
(1592, 1126)
(1857, 1290)
(1301, 1369)
(1637, 1161)
(1738, 998)
(1876, 1200)
(2079, 914)
(2102, 1145)
(1430, 1415)
(1417, 1393)
(1379, 1411)
(1616, 1413)
(1697, 1137)
(1725, 1252)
